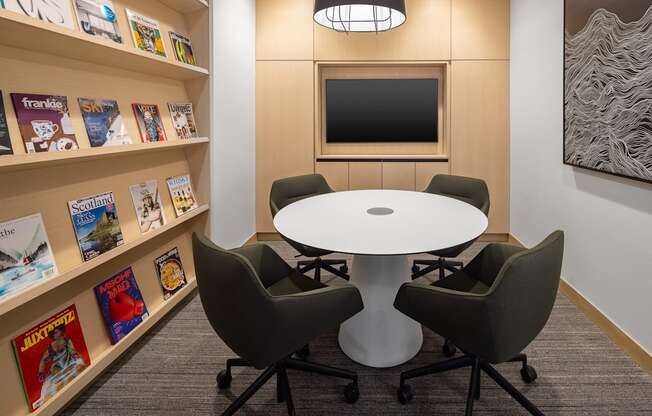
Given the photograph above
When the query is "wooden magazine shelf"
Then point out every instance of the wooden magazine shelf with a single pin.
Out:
(42, 160)
(24, 32)
(186, 6)
(33, 292)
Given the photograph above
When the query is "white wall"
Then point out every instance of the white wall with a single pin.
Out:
(233, 155)
(607, 220)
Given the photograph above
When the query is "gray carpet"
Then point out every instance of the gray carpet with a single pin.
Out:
(172, 371)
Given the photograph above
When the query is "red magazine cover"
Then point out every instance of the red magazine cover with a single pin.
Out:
(51, 355)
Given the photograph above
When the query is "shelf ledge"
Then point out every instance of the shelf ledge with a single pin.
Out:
(42, 160)
(30, 293)
(404, 158)
(186, 6)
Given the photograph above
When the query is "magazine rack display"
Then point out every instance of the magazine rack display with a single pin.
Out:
(104, 168)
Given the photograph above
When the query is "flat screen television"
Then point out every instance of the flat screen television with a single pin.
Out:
(381, 110)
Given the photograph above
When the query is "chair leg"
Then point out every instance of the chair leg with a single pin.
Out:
(287, 392)
(333, 270)
(509, 388)
(447, 365)
(430, 268)
(528, 373)
(478, 386)
(251, 390)
(310, 367)
(473, 386)
(280, 388)
(318, 271)
(305, 266)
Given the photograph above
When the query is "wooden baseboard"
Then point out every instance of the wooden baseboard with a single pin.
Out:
(617, 335)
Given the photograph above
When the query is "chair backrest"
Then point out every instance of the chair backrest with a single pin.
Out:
(470, 190)
(288, 190)
(236, 303)
(522, 297)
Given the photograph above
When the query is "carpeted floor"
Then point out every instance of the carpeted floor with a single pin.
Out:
(172, 371)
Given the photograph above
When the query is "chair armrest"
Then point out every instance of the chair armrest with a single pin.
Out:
(459, 316)
(269, 266)
(486, 265)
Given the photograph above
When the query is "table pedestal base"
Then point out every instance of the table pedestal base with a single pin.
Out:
(380, 336)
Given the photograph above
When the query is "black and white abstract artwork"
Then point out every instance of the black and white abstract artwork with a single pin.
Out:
(608, 86)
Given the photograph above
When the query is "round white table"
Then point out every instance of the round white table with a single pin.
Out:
(380, 228)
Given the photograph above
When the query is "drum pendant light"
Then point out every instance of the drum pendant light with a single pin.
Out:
(360, 15)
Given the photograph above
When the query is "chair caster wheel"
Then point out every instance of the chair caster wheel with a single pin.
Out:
(344, 268)
(351, 393)
(304, 352)
(528, 374)
(449, 349)
(405, 394)
(223, 379)
(416, 269)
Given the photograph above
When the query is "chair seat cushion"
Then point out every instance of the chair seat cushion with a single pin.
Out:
(294, 283)
(462, 282)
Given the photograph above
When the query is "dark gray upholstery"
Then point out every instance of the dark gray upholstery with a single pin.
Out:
(500, 322)
(262, 308)
(492, 309)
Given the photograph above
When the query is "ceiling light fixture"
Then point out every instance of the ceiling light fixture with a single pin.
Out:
(360, 15)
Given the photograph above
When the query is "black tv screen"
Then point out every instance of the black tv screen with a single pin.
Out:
(381, 110)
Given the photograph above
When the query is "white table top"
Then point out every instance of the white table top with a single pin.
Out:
(420, 222)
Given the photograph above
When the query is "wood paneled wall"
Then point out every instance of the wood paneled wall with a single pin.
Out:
(472, 36)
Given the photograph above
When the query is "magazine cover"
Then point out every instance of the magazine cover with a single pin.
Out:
(53, 11)
(25, 254)
(104, 124)
(147, 201)
(150, 125)
(95, 219)
(44, 122)
(121, 303)
(183, 198)
(98, 18)
(182, 49)
(170, 272)
(183, 120)
(5, 141)
(146, 33)
(51, 355)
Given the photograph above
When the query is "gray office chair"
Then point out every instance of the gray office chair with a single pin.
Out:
(470, 190)
(492, 309)
(265, 311)
(293, 189)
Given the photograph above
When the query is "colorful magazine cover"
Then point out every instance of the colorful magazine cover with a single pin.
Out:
(25, 254)
(122, 304)
(51, 355)
(182, 49)
(5, 141)
(150, 125)
(95, 219)
(52, 11)
(147, 202)
(170, 272)
(44, 122)
(104, 124)
(146, 33)
(183, 198)
(98, 18)
(183, 120)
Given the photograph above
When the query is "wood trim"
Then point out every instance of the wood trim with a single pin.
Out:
(617, 335)
(186, 6)
(382, 158)
(252, 240)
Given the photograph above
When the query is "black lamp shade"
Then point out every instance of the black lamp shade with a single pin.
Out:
(360, 15)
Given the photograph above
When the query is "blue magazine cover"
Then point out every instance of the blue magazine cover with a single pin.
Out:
(104, 124)
(95, 219)
(122, 304)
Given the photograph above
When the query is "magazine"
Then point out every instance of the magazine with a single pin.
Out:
(170, 272)
(182, 49)
(5, 141)
(149, 209)
(51, 355)
(150, 125)
(98, 18)
(122, 304)
(52, 11)
(183, 120)
(95, 219)
(44, 122)
(183, 198)
(25, 254)
(104, 124)
(146, 33)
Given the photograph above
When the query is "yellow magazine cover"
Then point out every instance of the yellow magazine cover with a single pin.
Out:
(146, 33)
